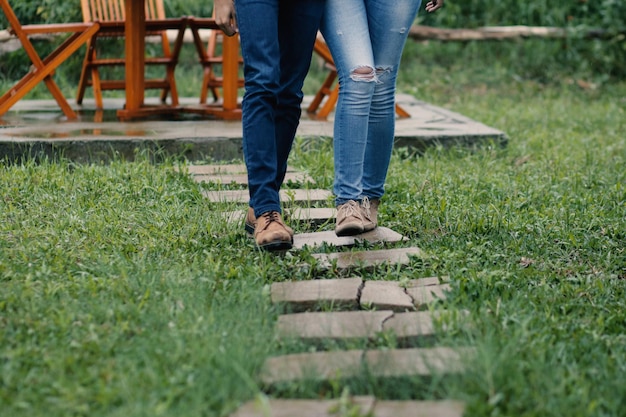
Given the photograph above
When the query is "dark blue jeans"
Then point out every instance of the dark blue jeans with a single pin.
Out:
(277, 38)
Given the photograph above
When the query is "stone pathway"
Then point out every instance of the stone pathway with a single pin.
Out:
(344, 309)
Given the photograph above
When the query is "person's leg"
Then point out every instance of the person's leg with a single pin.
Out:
(389, 24)
(258, 31)
(298, 24)
(345, 29)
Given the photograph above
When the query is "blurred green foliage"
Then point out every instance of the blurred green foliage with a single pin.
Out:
(543, 60)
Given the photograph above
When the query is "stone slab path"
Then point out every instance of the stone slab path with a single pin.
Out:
(354, 293)
(342, 309)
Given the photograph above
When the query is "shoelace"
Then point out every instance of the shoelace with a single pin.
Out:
(270, 216)
(351, 209)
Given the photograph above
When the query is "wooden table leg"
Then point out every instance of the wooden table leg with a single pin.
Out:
(135, 32)
(230, 69)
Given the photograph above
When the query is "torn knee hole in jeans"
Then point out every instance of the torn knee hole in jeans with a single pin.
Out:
(364, 73)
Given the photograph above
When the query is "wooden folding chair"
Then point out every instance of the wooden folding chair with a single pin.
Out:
(229, 81)
(110, 15)
(42, 69)
(211, 58)
(329, 89)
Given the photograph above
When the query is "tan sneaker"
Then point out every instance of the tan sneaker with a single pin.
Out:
(369, 211)
(349, 219)
(271, 233)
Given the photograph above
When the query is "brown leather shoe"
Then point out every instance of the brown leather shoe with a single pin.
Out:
(349, 219)
(250, 221)
(369, 211)
(271, 233)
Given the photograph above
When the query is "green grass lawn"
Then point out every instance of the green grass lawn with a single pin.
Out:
(124, 293)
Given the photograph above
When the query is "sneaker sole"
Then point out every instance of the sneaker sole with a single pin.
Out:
(349, 231)
(276, 246)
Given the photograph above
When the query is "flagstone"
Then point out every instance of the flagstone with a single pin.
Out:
(333, 325)
(424, 295)
(308, 408)
(367, 259)
(303, 295)
(286, 195)
(385, 295)
(315, 366)
(378, 363)
(312, 215)
(411, 325)
(359, 405)
(378, 235)
(418, 409)
(242, 179)
(416, 361)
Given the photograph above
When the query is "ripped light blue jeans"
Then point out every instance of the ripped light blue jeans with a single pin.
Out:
(366, 38)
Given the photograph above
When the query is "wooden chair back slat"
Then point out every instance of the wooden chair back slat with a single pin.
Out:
(114, 10)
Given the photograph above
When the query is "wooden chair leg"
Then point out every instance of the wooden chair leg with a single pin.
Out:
(324, 90)
(403, 114)
(174, 54)
(84, 72)
(96, 87)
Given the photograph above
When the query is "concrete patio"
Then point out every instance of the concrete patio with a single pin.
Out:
(39, 128)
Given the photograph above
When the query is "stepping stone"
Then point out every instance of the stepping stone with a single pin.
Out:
(308, 408)
(333, 325)
(242, 179)
(367, 259)
(223, 169)
(214, 169)
(344, 325)
(385, 295)
(242, 196)
(314, 366)
(304, 295)
(351, 363)
(411, 325)
(358, 405)
(418, 409)
(416, 361)
(354, 293)
(380, 234)
(422, 295)
(314, 216)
